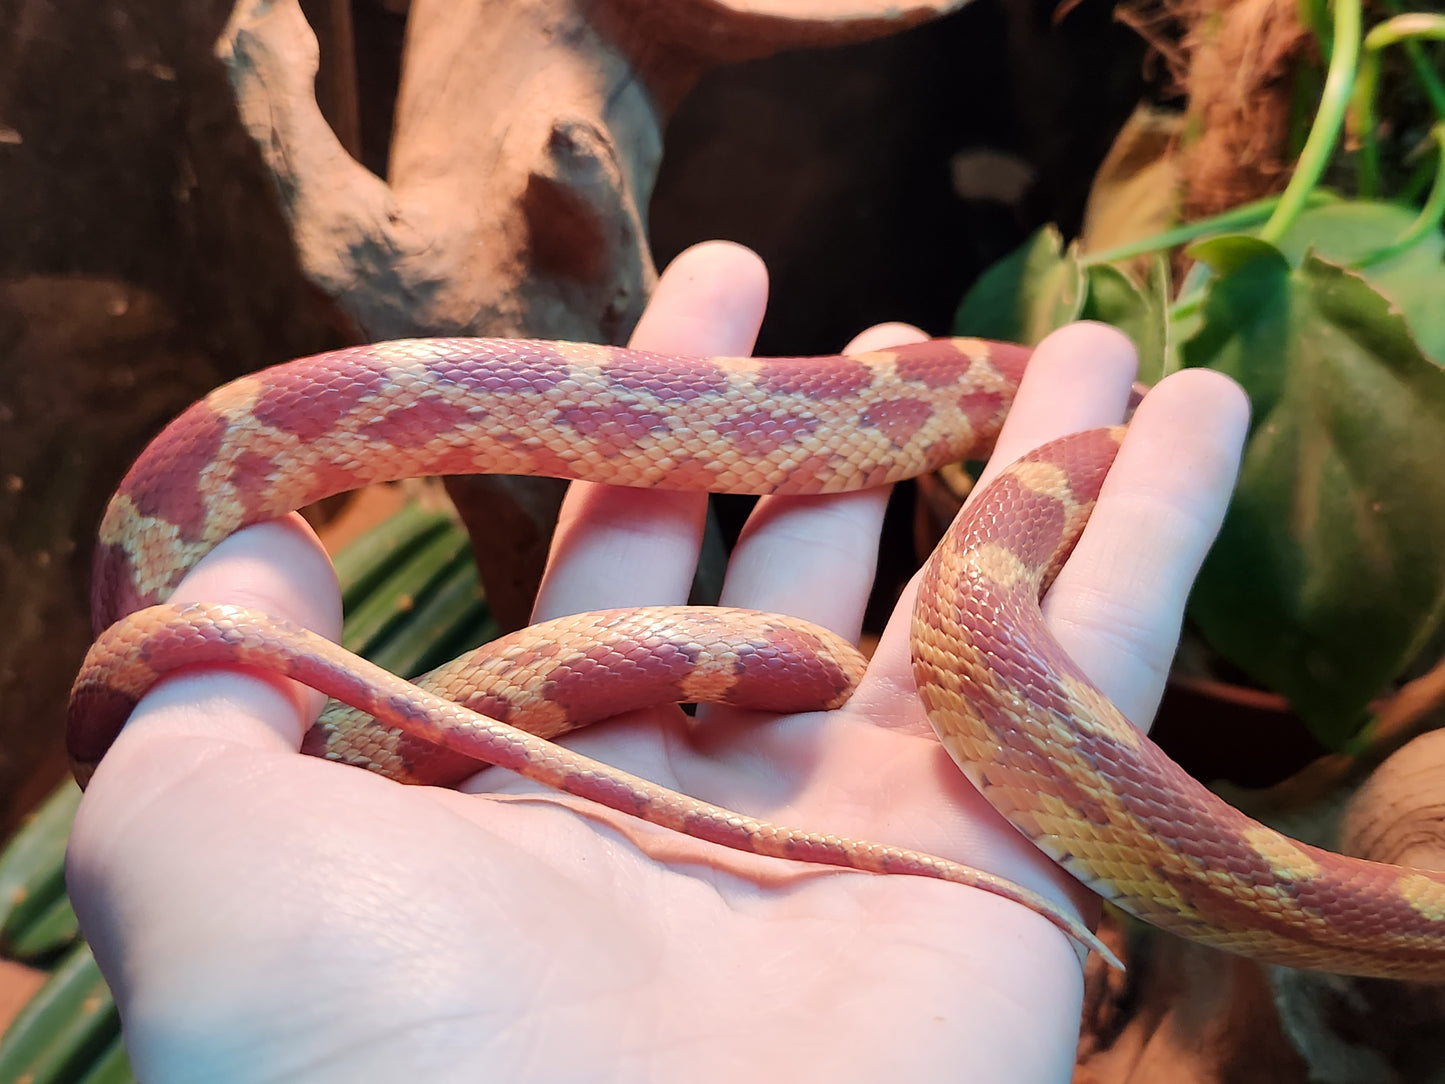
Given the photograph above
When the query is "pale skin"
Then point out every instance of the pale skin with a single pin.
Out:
(263, 915)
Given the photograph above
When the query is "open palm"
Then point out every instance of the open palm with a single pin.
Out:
(263, 915)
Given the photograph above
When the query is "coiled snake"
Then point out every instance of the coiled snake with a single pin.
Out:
(1041, 743)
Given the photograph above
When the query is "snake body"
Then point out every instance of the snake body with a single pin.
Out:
(1041, 743)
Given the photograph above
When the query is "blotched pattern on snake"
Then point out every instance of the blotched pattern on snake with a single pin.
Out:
(1041, 743)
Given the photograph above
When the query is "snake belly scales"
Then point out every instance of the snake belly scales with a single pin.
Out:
(1039, 741)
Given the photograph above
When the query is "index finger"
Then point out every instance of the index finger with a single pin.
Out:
(277, 568)
(633, 547)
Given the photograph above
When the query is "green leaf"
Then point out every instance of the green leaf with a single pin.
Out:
(32, 863)
(1345, 231)
(69, 1021)
(1232, 251)
(1244, 328)
(1141, 313)
(1325, 580)
(1036, 288)
(1350, 230)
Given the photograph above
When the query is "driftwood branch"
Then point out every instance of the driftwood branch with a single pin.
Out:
(526, 139)
(1363, 1030)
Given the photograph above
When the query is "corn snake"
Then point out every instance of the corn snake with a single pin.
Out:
(1036, 738)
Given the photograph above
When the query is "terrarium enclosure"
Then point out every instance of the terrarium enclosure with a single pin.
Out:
(189, 194)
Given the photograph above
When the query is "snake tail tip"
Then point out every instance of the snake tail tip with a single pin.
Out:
(1109, 956)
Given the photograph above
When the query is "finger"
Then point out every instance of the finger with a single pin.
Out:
(1078, 378)
(277, 568)
(1118, 604)
(1116, 608)
(632, 547)
(815, 557)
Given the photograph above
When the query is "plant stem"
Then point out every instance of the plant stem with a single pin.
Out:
(1334, 102)
(1402, 28)
(1430, 215)
(1236, 218)
(1431, 26)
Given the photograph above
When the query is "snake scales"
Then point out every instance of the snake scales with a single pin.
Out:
(1040, 742)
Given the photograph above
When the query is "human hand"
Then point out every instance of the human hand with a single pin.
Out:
(263, 915)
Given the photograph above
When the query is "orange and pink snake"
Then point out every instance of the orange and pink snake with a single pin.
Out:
(1031, 732)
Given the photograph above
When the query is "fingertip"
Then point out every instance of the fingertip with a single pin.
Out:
(716, 253)
(280, 568)
(882, 336)
(709, 300)
(721, 254)
(1105, 351)
(1079, 377)
(1212, 396)
(277, 569)
(1188, 435)
(1095, 335)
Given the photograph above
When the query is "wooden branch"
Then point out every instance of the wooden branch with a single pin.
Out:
(527, 136)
